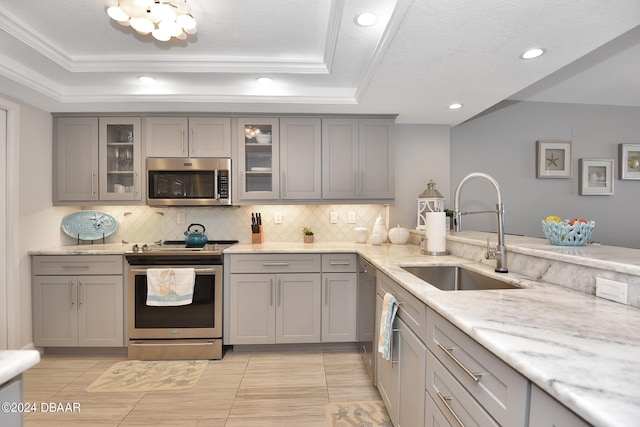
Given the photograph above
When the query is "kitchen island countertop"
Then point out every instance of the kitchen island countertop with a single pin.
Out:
(15, 362)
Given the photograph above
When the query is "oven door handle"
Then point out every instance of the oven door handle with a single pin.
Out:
(197, 270)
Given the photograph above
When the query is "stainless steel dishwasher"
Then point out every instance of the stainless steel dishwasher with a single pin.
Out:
(367, 315)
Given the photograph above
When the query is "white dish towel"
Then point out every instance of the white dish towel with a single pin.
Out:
(170, 286)
(389, 310)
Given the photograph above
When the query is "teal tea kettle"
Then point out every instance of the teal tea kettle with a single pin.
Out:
(195, 239)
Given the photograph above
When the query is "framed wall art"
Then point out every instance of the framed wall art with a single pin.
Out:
(596, 177)
(553, 159)
(629, 161)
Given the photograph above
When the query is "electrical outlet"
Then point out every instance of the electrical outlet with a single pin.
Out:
(334, 217)
(181, 218)
(352, 217)
(277, 217)
(612, 290)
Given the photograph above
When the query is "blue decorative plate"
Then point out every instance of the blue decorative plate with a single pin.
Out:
(89, 225)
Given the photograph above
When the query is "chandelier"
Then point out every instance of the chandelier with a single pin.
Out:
(162, 19)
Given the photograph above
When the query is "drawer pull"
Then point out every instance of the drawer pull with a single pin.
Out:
(275, 264)
(474, 377)
(339, 263)
(75, 266)
(445, 402)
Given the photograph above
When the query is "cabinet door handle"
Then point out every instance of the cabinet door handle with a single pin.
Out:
(93, 187)
(80, 294)
(192, 145)
(71, 302)
(393, 332)
(279, 296)
(474, 377)
(445, 402)
(135, 183)
(326, 291)
(270, 292)
(362, 183)
(355, 183)
(284, 184)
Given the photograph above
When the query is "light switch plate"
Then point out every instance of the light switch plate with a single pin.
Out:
(334, 217)
(612, 290)
(352, 217)
(181, 218)
(277, 217)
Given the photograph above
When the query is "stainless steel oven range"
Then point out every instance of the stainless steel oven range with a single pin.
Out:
(192, 331)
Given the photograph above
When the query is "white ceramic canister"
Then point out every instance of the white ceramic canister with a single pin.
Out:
(360, 234)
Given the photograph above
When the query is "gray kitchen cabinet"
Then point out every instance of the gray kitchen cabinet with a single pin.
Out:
(188, 137)
(78, 301)
(470, 383)
(120, 158)
(96, 159)
(358, 159)
(340, 295)
(402, 378)
(11, 392)
(300, 158)
(275, 308)
(258, 159)
(274, 298)
(545, 411)
(75, 159)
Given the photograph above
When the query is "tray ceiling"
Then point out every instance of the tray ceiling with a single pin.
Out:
(419, 57)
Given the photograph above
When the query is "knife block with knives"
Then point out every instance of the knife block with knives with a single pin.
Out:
(257, 236)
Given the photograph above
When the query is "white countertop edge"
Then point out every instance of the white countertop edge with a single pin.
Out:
(15, 362)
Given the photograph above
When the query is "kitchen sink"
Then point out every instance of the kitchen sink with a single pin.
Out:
(453, 278)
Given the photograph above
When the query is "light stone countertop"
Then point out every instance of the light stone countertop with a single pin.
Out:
(582, 350)
(15, 362)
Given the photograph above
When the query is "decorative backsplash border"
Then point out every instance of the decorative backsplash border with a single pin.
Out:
(145, 224)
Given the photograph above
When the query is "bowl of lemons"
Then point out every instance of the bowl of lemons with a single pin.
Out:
(568, 232)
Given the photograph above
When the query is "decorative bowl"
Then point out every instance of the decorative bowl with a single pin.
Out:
(399, 235)
(563, 234)
(263, 138)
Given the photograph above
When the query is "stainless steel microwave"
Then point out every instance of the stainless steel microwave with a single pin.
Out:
(189, 182)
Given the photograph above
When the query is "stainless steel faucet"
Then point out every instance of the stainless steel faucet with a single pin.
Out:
(500, 252)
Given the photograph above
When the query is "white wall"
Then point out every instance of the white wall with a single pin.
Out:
(503, 143)
(422, 154)
(39, 220)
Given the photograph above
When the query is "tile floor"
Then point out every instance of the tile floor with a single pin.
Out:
(243, 389)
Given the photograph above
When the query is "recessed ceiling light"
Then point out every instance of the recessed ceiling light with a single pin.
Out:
(264, 81)
(455, 106)
(533, 53)
(146, 79)
(366, 19)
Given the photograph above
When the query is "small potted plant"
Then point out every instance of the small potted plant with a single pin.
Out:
(307, 234)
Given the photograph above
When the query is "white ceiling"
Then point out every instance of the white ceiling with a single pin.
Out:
(422, 55)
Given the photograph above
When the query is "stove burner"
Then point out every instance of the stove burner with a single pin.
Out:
(176, 252)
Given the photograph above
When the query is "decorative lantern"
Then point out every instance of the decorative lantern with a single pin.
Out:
(429, 201)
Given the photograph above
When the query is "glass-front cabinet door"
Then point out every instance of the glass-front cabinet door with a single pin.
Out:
(120, 158)
(258, 158)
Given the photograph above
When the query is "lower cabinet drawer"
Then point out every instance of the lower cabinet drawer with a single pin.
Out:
(339, 263)
(52, 265)
(411, 309)
(275, 263)
(454, 401)
(433, 417)
(496, 386)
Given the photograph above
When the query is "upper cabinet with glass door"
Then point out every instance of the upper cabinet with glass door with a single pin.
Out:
(120, 158)
(258, 159)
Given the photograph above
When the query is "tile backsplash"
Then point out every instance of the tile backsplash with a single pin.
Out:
(144, 224)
